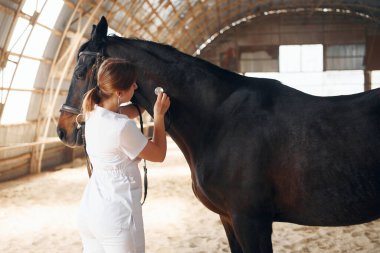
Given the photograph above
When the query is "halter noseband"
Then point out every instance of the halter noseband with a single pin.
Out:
(92, 83)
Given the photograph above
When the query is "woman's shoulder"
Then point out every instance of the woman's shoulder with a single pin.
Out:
(114, 120)
(122, 122)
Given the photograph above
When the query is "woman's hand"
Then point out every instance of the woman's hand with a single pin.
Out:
(155, 150)
(161, 106)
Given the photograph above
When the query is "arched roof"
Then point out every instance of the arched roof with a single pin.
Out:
(188, 24)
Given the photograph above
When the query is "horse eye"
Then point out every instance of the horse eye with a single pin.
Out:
(80, 72)
(79, 75)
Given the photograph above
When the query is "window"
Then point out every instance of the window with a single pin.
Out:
(345, 57)
(375, 79)
(259, 59)
(19, 36)
(301, 58)
(20, 72)
(301, 67)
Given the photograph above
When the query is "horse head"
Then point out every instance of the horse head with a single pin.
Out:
(89, 58)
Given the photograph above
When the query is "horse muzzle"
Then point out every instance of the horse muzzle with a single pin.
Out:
(73, 140)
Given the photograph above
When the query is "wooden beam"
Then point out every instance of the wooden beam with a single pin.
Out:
(216, 24)
(44, 60)
(4, 56)
(7, 10)
(218, 14)
(367, 80)
(181, 21)
(30, 144)
(33, 90)
(123, 20)
(163, 22)
(44, 122)
(206, 17)
(135, 20)
(196, 21)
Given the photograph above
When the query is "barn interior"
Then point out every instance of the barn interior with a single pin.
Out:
(321, 47)
(333, 44)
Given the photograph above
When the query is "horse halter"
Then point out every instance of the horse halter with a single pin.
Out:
(92, 83)
(77, 111)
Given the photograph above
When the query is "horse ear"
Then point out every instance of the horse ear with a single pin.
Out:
(93, 30)
(99, 32)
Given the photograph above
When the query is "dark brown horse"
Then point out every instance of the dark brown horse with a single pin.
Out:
(258, 150)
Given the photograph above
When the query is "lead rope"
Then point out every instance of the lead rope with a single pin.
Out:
(145, 168)
(89, 164)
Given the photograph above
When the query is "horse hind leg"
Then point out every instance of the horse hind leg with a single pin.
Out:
(253, 233)
(234, 244)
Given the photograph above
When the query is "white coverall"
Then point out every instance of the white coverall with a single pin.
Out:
(110, 214)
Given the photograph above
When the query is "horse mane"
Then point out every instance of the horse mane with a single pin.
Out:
(170, 54)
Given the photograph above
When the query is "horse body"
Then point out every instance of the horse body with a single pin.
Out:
(260, 151)
(314, 159)
(266, 152)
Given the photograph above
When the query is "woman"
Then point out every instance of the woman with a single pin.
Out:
(110, 216)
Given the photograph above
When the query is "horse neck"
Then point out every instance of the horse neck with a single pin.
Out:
(196, 95)
(194, 103)
(196, 88)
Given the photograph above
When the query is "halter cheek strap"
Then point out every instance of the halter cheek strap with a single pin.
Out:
(76, 111)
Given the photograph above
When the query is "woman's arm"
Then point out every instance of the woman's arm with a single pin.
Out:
(155, 150)
(131, 111)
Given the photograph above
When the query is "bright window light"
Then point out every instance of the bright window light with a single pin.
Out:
(50, 13)
(112, 31)
(26, 73)
(6, 75)
(19, 36)
(31, 6)
(37, 41)
(301, 58)
(311, 58)
(17, 105)
(16, 108)
(328, 83)
(290, 58)
(375, 79)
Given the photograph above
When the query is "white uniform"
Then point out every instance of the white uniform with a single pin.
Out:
(110, 215)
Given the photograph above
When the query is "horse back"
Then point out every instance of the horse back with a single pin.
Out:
(332, 155)
(296, 155)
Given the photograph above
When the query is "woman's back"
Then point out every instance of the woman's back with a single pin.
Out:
(113, 140)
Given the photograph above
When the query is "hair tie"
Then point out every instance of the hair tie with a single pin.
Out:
(98, 90)
(98, 94)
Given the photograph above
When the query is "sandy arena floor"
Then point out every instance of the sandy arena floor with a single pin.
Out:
(38, 214)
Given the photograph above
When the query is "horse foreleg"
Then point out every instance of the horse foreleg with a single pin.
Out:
(253, 233)
(234, 244)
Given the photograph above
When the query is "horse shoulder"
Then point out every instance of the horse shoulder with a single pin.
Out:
(237, 149)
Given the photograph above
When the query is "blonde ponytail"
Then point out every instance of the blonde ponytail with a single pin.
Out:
(90, 99)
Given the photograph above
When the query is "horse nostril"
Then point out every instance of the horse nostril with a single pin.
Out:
(61, 133)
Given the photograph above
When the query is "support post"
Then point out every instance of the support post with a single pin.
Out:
(367, 80)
